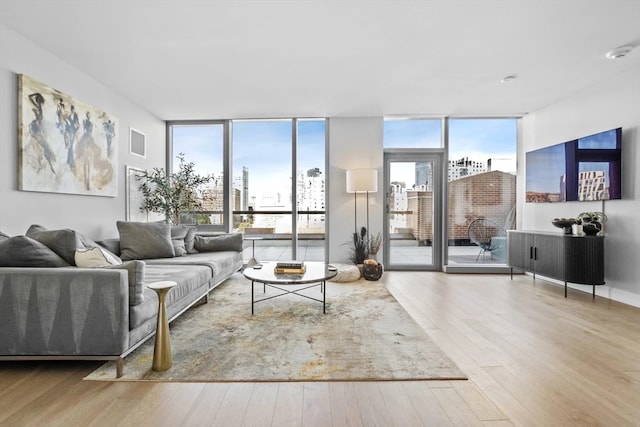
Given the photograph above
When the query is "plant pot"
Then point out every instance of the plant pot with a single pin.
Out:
(372, 271)
(590, 228)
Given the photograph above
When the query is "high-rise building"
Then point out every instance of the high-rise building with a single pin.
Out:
(424, 176)
(465, 167)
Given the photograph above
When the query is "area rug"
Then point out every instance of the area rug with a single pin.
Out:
(364, 335)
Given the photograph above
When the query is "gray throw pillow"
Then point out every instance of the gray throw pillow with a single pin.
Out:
(190, 241)
(23, 251)
(113, 245)
(144, 240)
(64, 242)
(135, 270)
(178, 235)
(222, 242)
(3, 236)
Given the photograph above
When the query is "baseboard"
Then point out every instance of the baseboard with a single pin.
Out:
(602, 291)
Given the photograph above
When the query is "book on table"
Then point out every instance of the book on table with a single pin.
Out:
(290, 264)
(288, 270)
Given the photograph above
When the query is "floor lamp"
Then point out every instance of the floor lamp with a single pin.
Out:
(361, 181)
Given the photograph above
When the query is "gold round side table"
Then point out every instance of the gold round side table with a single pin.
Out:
(162, 355)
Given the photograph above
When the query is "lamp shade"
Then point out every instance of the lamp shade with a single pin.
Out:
(362, 180)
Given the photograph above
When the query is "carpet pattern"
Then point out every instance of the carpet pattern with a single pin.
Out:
(365, 335)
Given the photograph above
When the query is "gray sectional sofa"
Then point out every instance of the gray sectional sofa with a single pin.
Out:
(64, 296)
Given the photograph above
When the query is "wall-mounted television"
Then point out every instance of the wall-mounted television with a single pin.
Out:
(583, 169)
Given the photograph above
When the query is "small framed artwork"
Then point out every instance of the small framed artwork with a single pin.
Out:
(137, 143)
(133, 200)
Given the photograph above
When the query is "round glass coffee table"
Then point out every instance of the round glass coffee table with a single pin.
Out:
(316, 274)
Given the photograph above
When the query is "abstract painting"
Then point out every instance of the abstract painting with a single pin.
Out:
(65, 146)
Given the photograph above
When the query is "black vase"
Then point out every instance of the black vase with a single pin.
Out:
(591, 228)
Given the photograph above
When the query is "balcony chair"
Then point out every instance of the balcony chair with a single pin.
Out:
(489, 236)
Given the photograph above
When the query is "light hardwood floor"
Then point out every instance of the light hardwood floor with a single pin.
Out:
(533, 358)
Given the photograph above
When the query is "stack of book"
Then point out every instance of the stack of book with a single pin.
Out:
(290, 267)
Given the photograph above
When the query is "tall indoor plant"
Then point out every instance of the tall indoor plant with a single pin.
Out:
(171, 194)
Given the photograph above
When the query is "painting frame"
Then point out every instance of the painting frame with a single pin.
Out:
(64, 145)
(133, 197)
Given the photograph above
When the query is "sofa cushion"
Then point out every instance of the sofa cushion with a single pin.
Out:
(112, 245)
(23, 251)
(95, 257)
(189, 278)
(190, 241)
(141, 240)
(178, 236)
(64, 242)
(221, 242)
(136, 271)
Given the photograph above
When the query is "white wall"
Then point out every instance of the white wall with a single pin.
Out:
(354, 143)
(608, 105)
(95, 216)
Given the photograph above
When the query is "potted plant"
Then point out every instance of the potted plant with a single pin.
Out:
(359, 246)
(172, 194)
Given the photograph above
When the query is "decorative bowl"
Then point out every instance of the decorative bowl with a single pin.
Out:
(564, 223)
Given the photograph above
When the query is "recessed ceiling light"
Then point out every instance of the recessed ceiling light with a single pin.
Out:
(509, 79)
(619, 52)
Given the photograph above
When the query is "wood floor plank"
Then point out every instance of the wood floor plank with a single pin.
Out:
(371, 404)
(402, 410)
(154, 405)
(207, 404)
(23, 401)
(234, 405)
(261, 405)
(289, 405)
(344, 406)
(484, 409)
(316, 404)
(455, 407)
(429, 409)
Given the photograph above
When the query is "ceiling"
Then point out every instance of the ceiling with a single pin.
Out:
(214, 59)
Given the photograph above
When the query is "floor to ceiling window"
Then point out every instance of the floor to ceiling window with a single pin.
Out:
(273, 187)
(481, 189)
(202, 143)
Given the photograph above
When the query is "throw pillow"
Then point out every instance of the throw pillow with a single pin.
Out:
(3, 236)
(190, 241)
(95, 257)
(178, 235)
(221, 242)
(63, 242)
(143, 240)
(23, 251)
(135, 271)
(113, 245)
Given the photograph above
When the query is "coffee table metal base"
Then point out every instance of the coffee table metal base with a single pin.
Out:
(295, 291)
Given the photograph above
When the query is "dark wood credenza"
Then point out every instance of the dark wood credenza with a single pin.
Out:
(571, 259)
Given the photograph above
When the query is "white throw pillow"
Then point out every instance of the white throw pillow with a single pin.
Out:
(95, 257)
